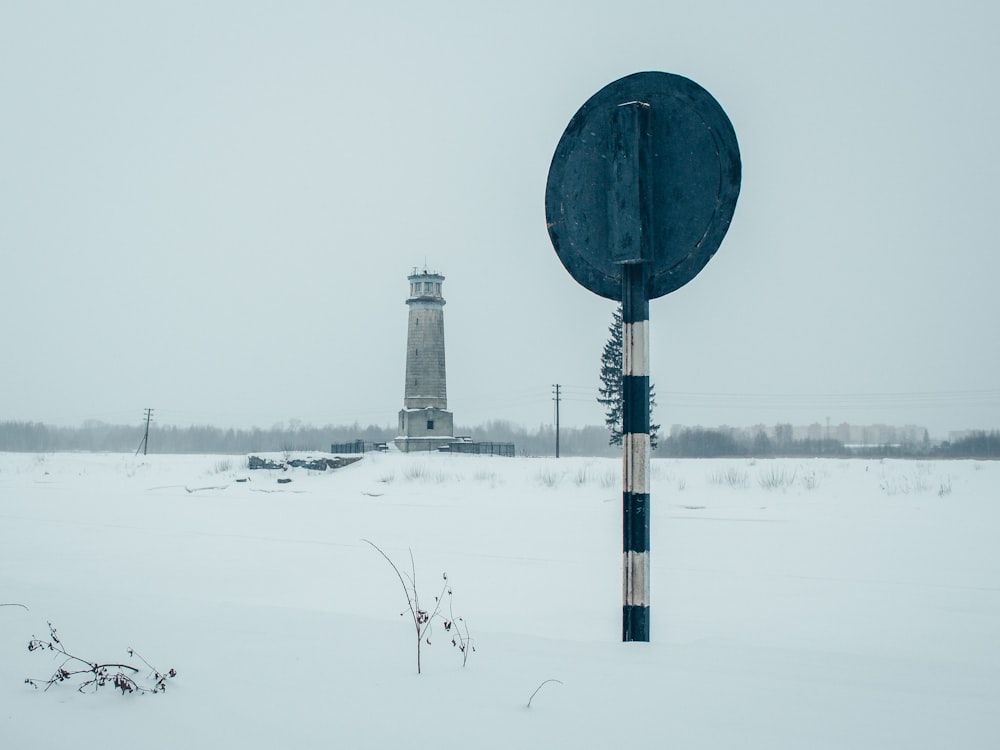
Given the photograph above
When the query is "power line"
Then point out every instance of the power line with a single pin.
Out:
(831, 400)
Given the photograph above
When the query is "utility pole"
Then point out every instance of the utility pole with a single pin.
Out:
(556, 399)
(145, 438)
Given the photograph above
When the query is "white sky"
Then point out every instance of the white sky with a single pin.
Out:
(211, 209)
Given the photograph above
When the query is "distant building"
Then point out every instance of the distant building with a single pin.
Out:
(425, 424)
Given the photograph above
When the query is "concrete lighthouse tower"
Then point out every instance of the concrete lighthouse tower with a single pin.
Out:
(425, 424)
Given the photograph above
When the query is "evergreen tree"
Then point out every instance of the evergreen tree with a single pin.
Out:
(610, 391)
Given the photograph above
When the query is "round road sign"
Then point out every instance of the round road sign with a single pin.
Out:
(648, 170)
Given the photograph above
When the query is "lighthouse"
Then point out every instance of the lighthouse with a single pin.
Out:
(425, 424)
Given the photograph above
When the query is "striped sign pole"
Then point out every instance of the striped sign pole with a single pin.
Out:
(641, 191)
(630, 211)
(635, 438)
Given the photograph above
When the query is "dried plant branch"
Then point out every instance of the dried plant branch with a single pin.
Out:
(544, 683)
(423, 619)
(461, 639)
(100, 674)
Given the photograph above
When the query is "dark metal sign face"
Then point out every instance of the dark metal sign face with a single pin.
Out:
(648, 170)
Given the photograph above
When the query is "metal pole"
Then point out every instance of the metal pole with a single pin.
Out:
(145, 439)
(144, 443)
(635, 438)
(557, 419)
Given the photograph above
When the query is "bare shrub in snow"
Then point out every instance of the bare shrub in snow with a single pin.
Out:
(658, 470)
(776, 478)
(895, 485)
(95, 675)
(731, 477)
(810, 481)
(223, 465)
(423, 619)
(903, 484)
(415, 471)
(611, 479)
(945, 487)
(486, 476)
(548, 478)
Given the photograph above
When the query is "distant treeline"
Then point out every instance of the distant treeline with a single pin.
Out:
(35, 437)
(699, 442)
(979, 444)
(100, 437)
(695, 442)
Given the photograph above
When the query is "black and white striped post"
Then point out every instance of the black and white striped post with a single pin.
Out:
(630, 198)
(635, 438)
(641, 191)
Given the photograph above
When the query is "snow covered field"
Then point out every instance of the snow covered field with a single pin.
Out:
(796, 604)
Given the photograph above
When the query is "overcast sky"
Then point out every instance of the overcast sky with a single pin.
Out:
(211, 208)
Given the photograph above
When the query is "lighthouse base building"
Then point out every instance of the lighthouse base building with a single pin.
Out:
(426, 429)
